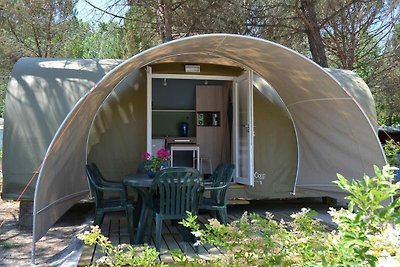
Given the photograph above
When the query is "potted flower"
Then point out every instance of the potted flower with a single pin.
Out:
(153, 163)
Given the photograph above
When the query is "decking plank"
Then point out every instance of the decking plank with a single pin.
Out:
(184, 246)
(86, 256)
(167, 243)
(212, 250)
(105, 229)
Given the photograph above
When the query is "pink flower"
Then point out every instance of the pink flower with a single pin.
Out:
(163, 154)
(155, 163)
(146, 155)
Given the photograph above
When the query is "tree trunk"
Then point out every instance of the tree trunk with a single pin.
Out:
(165, 23)
(313, 31)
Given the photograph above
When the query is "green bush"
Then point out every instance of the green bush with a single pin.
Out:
(367, 232)
(368, 228)
(121, 255)
(391, 149)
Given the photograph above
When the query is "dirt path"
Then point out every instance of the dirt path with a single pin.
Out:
(15, 243)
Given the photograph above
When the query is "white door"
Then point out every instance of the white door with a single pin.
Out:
(149, 100)
(243, 128)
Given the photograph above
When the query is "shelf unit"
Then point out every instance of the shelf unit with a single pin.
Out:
(210, 119)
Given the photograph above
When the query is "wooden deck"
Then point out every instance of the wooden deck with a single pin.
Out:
(115, 226)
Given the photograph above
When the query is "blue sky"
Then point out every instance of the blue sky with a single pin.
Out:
(87, 13)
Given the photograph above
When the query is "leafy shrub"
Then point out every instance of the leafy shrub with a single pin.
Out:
(368, 228)
(254, 240)
(121, 255)
(391, 149)
(367, 232)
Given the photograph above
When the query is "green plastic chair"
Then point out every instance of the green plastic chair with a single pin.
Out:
(217, 202)
(174, 191)
(106, 205)
(217, 175)
(96, 172)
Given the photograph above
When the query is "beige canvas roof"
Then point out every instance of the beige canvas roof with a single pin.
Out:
(330, 116)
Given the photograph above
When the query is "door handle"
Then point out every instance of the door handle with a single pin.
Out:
(247, 126)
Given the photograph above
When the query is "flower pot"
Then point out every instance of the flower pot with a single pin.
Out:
(151, 174)
(164, 165)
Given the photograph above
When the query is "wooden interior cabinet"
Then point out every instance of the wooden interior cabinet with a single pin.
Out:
(210, 137)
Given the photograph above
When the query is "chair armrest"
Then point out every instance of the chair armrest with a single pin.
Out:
(208, 180)
(216, 188)
(109, 189)
(207, 183)
(114, 184)
(122, 193)
(110, 183)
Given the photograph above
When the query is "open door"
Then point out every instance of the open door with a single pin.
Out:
(149, 101)
(243, 138)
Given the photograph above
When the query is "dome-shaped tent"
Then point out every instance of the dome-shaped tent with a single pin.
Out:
(310, 123)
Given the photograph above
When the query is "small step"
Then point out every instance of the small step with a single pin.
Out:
(238, 202)
(237, 194)
(237, 186)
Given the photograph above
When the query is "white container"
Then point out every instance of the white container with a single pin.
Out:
(157, 144)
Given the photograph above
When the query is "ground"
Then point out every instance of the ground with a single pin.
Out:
(15, 243)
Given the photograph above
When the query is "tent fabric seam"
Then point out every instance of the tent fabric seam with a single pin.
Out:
(319, 99)
(220, 43)
(62, 199)
(363, 111)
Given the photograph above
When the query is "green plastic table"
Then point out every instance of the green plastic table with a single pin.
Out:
(142, 184)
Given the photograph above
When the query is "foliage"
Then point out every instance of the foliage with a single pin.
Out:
(367, 229)
(384, 83)
(76, 46)
(37, 27)
(105, 42)
(3, 90)
(32, 29)
(121, 255)
(254, 240)
(154, 163)
(354, 34)
(139, 30)
(392, 149)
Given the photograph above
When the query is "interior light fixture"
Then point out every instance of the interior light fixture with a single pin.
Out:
(165, 82)
(205, 82)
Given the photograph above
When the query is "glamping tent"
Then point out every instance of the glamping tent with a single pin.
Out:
(288, 124)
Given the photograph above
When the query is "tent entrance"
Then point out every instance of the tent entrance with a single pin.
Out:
(217, 111)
